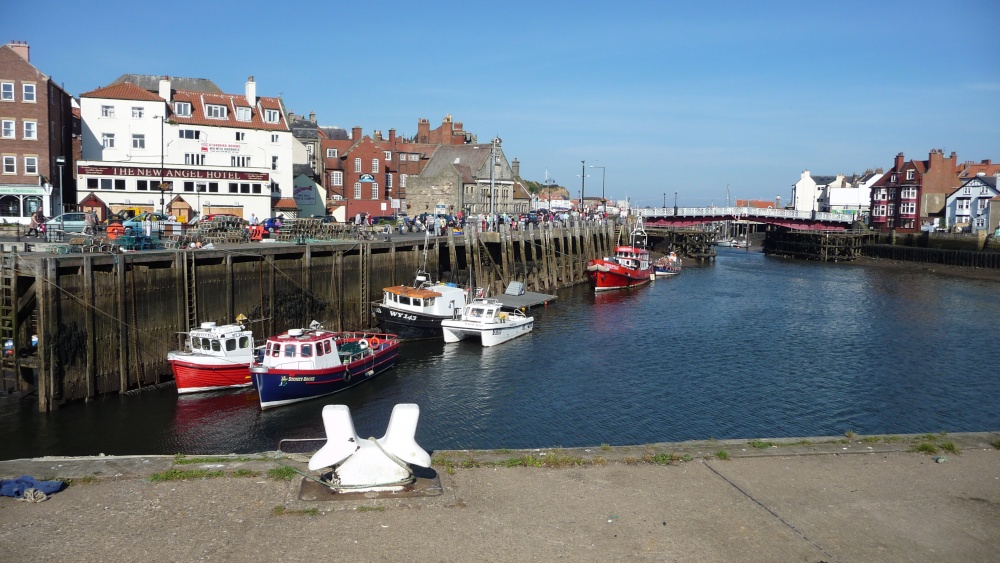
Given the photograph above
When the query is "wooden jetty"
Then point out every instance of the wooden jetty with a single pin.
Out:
(105, 321)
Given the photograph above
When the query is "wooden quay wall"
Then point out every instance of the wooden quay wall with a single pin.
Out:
(105, 322)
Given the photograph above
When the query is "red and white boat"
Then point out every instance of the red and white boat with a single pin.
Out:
(303, 364)
(629, 267)
(214, 357)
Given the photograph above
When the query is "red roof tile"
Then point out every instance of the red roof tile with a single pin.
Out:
(123, 91)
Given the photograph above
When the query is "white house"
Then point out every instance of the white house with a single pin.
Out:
(809, 193)
(184, 151)
(968, 207)
(854, 195)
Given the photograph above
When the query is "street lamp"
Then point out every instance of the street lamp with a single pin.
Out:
(675, 204)
(163, 184)
(59, 162)
(583, 185)
(604, 205)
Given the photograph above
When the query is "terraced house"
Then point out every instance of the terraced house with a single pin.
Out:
(36, 138)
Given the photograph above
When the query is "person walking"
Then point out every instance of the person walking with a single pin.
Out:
(37, 220)
(254, 221)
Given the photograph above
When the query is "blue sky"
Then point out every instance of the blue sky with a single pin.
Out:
(685, 97)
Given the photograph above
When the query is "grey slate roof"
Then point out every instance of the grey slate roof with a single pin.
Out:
(302, 170)
(444, 158)
(336, 133)
(152, 83)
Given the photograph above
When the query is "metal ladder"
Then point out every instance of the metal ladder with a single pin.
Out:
(365, 266)
(9, 368)
(191, 289)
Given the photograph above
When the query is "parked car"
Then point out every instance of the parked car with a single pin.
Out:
(67, 222)
(159, 222)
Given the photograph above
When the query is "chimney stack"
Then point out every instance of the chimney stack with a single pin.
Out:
(392, 135)
(165, 88)
(899, 162)
(21, 48)
(251, 91)
(356, 133)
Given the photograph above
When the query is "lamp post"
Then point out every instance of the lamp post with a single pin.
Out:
(583, 186)
(675, 204)
(162, 185)
(58, 200)
(604, 205)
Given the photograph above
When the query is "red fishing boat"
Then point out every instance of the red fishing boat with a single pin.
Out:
(214, 357)
(629, 267)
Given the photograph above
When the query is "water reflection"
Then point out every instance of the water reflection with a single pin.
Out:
(742, 348)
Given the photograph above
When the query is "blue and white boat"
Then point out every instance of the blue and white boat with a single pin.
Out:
(304, 364)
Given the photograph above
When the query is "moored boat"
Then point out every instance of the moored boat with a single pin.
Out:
(483, 318)
(415, 311)
(629, 267)
(669, 265)
(214, 357)
(303, 364)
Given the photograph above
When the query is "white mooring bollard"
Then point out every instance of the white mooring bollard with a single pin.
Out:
(370, 465)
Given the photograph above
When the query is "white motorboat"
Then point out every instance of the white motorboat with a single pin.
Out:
(484, 318)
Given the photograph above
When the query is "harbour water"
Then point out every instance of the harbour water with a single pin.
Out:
(746, 347)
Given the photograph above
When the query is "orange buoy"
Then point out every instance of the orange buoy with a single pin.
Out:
(115, 230)
(374, 342)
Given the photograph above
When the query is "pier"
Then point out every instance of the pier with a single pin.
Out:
(104, 322)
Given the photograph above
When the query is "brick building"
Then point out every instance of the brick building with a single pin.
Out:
(911, 196)
(36, 139)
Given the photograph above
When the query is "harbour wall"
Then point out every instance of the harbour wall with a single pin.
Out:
(105, 322)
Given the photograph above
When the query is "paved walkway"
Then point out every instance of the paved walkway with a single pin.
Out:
(825, 500)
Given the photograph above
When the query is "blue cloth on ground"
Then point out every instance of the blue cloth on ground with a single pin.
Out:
(16, 487)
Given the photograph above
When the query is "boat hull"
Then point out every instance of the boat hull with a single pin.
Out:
(194, 373)
(277, 387)
(489, 334)
(605, 276)
(408, 325)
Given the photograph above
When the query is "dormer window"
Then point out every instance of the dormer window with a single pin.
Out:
(909, 174)
(213, 111)
(331, 153)
(892, 178)
(182, 109)
(242, 114)
(271, 115)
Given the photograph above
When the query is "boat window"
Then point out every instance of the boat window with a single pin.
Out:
(307, 350)
(289, 350)
(404, 300)
(418, 302)
(326, 345)
(429, 302)
(244, 342)
(275, 349)
(476, 313)
(206, 343)
(319, 348)
(196, 344)
(216, 346)
(230, 344)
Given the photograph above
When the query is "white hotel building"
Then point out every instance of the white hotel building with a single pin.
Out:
(210, 152)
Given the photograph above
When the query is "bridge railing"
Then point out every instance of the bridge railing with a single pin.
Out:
(724, 213)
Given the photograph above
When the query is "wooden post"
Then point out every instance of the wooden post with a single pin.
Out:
(91, 323)
(123, 333)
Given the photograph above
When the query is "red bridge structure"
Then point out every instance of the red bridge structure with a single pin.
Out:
(789, 218)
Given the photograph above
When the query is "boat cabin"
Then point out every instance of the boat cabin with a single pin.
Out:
(438, 300)
(227, 340)
(306, 349)
(484, 311)
(632, 257)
